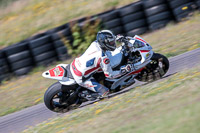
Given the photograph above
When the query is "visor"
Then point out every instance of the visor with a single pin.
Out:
(112, 43)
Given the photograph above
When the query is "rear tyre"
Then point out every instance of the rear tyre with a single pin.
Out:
(55, 99)
(156, 69)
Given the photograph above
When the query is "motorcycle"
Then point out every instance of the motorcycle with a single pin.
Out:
(148, 66)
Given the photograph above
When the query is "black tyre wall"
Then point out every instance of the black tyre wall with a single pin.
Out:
(156, 9)
(22, 63)
(109, 16)
(176, 3)
(61, 50)
(4, 68)
(42, 49)
(117, 30)
(133, 19)
(137, 31)
(23, 71)
(47, 61)
(158, 13)
(62, 53)
(159, 24)
(39, 41)
(111, 21)
(57, 37)
(44, 56)
(158, 17)
(183, 11)
(182, 8)
(198, 3)
(19, 56)
(60, 34)
(151, 3)
(136, 7)
(37, 36)
(135, 24)
(58, 44)
(16, 48)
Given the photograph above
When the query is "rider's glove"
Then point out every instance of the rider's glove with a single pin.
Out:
(126, 69)
(119, 38)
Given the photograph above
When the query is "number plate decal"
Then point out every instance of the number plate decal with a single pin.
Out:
(56, 72)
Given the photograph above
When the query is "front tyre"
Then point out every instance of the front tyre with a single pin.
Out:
(156, 69)
(55, 99)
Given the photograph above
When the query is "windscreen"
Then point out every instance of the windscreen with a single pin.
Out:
(138, 44)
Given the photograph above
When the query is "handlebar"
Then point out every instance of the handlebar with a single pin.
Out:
(123, 39)
(125, 47)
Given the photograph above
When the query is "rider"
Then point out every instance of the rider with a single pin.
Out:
(94, 59)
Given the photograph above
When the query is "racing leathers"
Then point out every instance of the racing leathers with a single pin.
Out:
(93, 60)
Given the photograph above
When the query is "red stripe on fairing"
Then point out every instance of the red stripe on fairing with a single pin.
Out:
(143, 51)
(76, 71)
(93, 69)
(100, 70)
(141, 39)
(106, 75)
(134, 72)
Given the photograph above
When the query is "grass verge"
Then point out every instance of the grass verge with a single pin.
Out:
(170, 105)
(178, 38)
(23, 18)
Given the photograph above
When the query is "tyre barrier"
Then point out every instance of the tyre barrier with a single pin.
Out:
(40, 49)
(61, 50)
(157, 13)
(112, 21)
(182, 8)
(198, 4)
(136, 18)
(4, 68)
(133, 19)
(57, 37)
(19, 58)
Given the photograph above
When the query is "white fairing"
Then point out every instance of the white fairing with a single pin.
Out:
(68, 82)
(115, 56)
(136, 44)
(146, 53)
(63, 80)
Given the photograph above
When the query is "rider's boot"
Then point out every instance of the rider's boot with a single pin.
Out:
(105, 95)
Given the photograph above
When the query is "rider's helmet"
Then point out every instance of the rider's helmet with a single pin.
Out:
(106, 39)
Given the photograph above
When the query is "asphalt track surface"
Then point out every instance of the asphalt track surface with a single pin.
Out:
(19, 121)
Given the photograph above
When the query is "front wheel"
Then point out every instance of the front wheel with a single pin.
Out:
(56, 100)
(156, 69)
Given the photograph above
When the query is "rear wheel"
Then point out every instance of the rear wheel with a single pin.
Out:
(56, 100)
(156, 69)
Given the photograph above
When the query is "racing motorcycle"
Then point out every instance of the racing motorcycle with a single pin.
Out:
(148, 66)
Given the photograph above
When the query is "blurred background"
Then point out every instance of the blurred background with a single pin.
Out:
(37, 34)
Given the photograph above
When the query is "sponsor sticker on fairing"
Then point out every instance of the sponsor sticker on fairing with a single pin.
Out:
(57, 72)
(106, 61)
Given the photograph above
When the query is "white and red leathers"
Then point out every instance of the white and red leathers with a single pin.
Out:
(93, 60)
